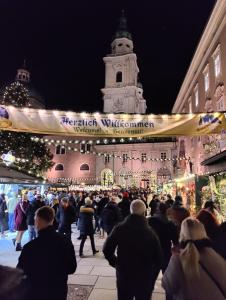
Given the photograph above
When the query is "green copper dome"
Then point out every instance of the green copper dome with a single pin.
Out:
(122, 31)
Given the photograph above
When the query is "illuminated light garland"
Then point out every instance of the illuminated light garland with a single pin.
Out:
(98, 141)
(57, 143)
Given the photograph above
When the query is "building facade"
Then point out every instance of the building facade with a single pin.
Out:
(112, 161)
(203, 90)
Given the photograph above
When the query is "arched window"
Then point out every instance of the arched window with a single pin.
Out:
(59, 167)
(84, 167)
(119, 76)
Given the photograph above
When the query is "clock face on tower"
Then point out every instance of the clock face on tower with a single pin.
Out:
(118, 105)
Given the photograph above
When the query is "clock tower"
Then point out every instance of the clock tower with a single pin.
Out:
(123, 93)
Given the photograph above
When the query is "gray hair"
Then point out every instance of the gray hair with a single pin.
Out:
(138, 207)
(88, 201)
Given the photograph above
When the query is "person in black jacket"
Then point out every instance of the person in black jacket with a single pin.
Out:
(139, 257)
(86, 225)
(32, 208)
(166, 232)
(13, 284)
(65, 217)
(47, 260)
(154, 204)
(124, 205)
(111, 215)
(219, 241)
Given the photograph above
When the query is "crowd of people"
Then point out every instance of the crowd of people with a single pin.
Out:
(144, 235)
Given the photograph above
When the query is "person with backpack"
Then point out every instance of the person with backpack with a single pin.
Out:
(111, 215)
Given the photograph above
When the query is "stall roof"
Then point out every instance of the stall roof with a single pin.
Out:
(220, 157)
(9, 175)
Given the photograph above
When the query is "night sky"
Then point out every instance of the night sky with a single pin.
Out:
(63, 43)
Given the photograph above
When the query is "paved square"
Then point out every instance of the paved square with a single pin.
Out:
(94, 279)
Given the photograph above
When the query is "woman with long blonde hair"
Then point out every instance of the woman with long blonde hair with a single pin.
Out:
(196, 271)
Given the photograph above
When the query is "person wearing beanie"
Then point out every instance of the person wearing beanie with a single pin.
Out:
(139, 255)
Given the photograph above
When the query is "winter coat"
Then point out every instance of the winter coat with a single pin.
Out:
(139, 258)
(110, 216)
(201, 288)
(209, 221)
(219, 242)
(32, 208)
(86, 220)
(101, 204)
(154, 205)
(47, 261)
(3, 206)
(21, 216)
(65, 217)
(124, 206)
(177, 214)
(167, 234)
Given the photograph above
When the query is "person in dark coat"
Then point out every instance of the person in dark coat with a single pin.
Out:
(154, 204)
(124, 205)
(166, 232)
(21, 221)
(80, 203)
(13, 284)
(32, 208)
(111, 215)
(3, 208)
(86, 225)
(209, 221)
(102, 203)
(219, 241)
(177, 213)
(55, 206)
(65, 217)
(169, 201)
(139, 257)
(47, 260)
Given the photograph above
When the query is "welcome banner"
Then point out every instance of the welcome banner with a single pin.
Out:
(51, 122)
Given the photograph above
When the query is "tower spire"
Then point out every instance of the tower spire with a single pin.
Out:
(122, 30)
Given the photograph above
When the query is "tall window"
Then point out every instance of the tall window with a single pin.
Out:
(196, 96)
(163, 155)
(217, 65)
(119, 76)
(143, 157)
(124, 158)
(106, 158)
(206, 80)
(60, 149)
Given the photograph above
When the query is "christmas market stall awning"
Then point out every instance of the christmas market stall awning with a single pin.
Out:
(8, 175)
(109, 125)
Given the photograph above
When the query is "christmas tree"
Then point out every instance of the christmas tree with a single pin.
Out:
(16, 94)
(32, 156)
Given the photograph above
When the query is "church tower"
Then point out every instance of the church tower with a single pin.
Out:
(122, 92)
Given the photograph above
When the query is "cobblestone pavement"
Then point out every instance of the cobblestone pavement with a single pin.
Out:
(94, 279)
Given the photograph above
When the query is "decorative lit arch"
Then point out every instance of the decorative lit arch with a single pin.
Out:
(107, 177)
